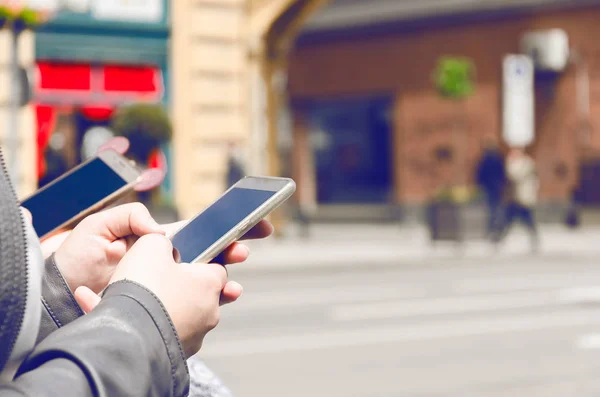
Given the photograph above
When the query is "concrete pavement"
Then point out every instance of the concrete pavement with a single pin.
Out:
(464, 329)
(362, 245)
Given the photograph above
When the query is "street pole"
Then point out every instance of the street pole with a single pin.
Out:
(12, 133)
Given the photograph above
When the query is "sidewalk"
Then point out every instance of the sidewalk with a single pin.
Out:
(351, 245)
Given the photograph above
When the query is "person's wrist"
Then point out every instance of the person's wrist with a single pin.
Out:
(62, 262)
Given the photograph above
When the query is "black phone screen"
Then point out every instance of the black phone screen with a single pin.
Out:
(66, 198)
(218, 219)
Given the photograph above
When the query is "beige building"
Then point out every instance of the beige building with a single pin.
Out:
(228, 58)
(26, 181)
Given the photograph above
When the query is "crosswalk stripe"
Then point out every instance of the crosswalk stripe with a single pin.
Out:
(439, 306)
(393, 334)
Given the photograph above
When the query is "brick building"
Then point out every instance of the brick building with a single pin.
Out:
(361, 94)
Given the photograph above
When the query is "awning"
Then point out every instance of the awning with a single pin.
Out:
(340, 15)
(79, 84)
(97, 90)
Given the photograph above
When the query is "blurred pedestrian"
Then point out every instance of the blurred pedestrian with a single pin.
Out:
(56, 166)
(235, 165)
(522, 174)
(572, 217)
(491, 178)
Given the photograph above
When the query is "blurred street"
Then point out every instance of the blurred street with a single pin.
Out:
(516, 325)
(426, 120)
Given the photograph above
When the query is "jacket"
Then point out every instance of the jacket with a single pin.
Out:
(522, 173)
(491, 175)
(59, 308)
(127, 346)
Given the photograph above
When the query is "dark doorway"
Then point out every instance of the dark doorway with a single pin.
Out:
(352, 140)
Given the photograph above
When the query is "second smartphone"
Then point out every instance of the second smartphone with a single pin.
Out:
(83, 190)
(229, 218)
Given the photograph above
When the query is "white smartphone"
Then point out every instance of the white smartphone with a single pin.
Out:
(229, 218)
(81, 191)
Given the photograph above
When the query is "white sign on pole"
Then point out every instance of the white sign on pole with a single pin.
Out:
(518, 101)
(128, 10)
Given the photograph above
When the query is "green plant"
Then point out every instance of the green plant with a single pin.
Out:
(454, 77)
(31, 18)
(147, 126)
(21, 18)
(6, 16)
(5, 12)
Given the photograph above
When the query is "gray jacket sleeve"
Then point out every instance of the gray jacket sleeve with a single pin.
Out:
(127, 346)
(59, 307)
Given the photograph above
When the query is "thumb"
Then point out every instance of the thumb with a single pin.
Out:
(87, 299)
(148, 257)
(126, 220)
(148, 250)
(150, 179)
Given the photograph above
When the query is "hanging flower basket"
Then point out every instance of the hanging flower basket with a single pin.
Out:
(146, 125)
(21, 18)
(30, 19)
(5, 16)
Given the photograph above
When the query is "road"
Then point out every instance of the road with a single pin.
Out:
(516, 327)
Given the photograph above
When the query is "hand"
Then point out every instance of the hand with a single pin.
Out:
(149, 180)
(50, 244)
(236, 253)
(89, 254)
(190, 292)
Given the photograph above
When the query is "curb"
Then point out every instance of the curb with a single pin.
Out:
(372, 262)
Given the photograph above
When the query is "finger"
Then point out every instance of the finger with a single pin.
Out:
(149, 254)
(171, 228)
(130, 241)
(220, 271)
(150, 179)
(125, 220)
(119, 144)
(156, 246)
(263, 229)
(236, 253)
(86, 299)
(231, 293)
